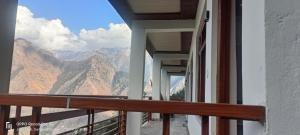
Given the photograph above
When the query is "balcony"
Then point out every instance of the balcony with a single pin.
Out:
(89, 105)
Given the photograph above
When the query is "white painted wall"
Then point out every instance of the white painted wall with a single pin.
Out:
(282, 47)
(271, 64)
(253, 57)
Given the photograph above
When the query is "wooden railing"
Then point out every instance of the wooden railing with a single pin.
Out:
(227, 111)
(63, 115)
(147, 116)
(108, 126)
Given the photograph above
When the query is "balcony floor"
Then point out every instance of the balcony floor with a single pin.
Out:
(178, 126)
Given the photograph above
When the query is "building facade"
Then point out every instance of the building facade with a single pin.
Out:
(240, 52)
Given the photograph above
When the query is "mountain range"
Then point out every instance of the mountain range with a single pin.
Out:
(40, 71)
(99, 72)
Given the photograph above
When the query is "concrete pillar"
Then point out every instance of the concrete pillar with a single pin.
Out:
(136, 76)
(187, 86)
(163, 83)
(253, 62)
(168, 87)
(156, 82)
(8, 11)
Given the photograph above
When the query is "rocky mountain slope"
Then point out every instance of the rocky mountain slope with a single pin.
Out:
(33, 70)
(41, 72)
(97, 72)
(38, 71)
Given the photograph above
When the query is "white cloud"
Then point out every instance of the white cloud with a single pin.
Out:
(53, 35)
(118, 35)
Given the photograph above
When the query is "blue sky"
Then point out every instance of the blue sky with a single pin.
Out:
(75, 14)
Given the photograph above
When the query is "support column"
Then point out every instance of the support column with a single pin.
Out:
(156, 82)
(8, 11)
(168, 87)
(254, 66)
(163, 83)
(136, 76)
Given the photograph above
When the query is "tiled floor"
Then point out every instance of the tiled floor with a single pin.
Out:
(178, 127)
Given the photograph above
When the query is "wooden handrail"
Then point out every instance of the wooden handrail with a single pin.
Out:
(245, 112)
(87, 96)
(229, 111)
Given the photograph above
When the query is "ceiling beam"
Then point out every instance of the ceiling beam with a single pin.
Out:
(186, 41)
(124, 10)
(170, 52)
(166, 25)
(160, 16)
(171, 56)
(189, 8)
(149, 47)
(176, 73)
(173, 66)
(168, 68)
(188, 11)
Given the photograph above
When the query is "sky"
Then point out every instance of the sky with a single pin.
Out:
(76, 14)
(71, 25)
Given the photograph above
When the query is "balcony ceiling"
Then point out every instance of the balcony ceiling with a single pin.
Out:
(155, 9)
(171, 62)
(167, 41)
(170, 42)
(175, 63)
(155, 6)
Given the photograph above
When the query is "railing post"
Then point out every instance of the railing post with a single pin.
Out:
(205, 125)
(17, 119)
(166, 124)
(149, 113)
(120, 122)
(35, 121)
(124, 121)
(93, 121)
(89, 122)
(149, 116)
(223, 62)
(4, 116)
